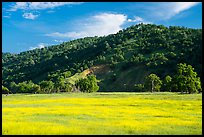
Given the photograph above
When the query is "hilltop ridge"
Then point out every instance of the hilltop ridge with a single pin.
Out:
(118, 60)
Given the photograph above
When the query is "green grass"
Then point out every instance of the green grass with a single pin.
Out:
(102, 113)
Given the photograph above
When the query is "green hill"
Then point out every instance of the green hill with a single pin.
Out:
(118, 60)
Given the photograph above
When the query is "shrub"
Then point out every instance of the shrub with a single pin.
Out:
(88, 84)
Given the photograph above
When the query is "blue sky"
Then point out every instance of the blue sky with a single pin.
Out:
(30, 25)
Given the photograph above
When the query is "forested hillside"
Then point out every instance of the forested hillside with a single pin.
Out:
(119, 61)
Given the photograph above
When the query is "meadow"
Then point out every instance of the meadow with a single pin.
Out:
(161, 113)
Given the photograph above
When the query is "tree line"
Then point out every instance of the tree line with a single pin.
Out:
(88, 84)
(184, 81)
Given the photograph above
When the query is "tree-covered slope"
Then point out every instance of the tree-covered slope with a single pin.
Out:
(127, 57)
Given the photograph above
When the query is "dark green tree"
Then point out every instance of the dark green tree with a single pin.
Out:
(88, 84)
(139, 87)
(5, 90)
(13, 87)
(152, 83)
(46, 86)
(186, 80)
(62, 86)
(167, 83)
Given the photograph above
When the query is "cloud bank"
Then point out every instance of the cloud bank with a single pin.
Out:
(39, 5)
(29, 16)
(28, 7)
(98, 25)
(167, 10)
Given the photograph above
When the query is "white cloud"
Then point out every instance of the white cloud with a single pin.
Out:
(138, 19)
(18, 5)
(39, 5)
(165, 11)
(35, 6)
(67, 34)
(6, 16)
(59, 41)
(39, 46)
(30, 16)
(97, 25)
(181, 6)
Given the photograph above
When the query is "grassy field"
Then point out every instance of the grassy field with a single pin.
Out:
(102, 113)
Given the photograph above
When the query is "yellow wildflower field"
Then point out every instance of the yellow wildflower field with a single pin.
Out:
(102, 113)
